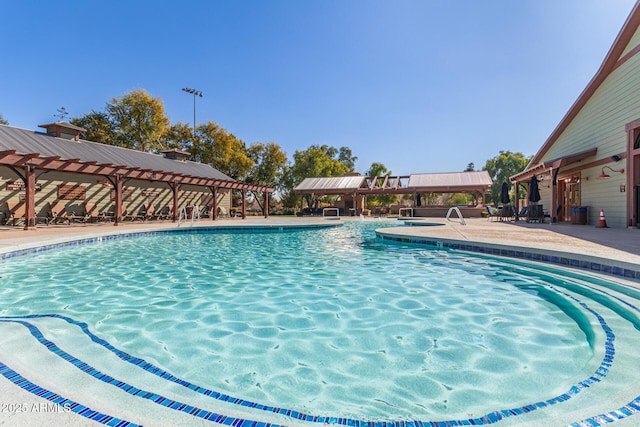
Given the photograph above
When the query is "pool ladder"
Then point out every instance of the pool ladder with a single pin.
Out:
(184, 217)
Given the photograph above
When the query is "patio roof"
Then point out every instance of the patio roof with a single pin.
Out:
(559, 162)
(341, 184)
(19, 146)
(452, 182)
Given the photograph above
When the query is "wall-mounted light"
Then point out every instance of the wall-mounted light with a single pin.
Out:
(604, 175)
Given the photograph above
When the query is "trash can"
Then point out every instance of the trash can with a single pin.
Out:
(579, 215)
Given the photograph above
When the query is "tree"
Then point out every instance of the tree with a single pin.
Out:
(500, 168)
(3, 121)
(269, 165)
(178, 136)
(379, 172)
(470, 167)
(139, 119)
(346, 157)
(98, 127)
(318, 161)
(222, 150)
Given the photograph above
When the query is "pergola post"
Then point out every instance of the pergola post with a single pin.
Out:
(265, 208)
(117, 213)
(175, 187)
(30, 198)
(214, 206)
(244, 204)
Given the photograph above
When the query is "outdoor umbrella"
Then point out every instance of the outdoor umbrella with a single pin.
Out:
(504, 194)
(534, 193)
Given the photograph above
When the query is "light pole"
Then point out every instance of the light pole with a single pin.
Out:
(195, 93)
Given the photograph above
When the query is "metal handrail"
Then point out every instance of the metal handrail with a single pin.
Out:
(183, 216)
(455, 208)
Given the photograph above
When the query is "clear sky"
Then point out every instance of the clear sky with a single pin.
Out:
(420, 86)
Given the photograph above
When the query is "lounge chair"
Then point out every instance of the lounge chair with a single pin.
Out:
(92, 213)
(535, 213)
(205, 212)
(149, 213)
(522, 213)
(492, 212)
(507, 213)
(222, 212)
(77, 216)
(128, 215)
(164, 214)
(17, 211)
(58, 213)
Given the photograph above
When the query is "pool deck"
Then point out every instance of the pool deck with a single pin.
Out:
(614, 245)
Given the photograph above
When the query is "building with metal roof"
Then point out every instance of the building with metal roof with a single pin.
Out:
(39, 168)
(358, 187)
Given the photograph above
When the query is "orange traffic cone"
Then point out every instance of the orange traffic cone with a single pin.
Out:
(602, 222)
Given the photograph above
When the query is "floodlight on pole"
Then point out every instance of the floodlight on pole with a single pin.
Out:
(195, 93)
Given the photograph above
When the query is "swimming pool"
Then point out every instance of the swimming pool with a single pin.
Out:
(317, 325)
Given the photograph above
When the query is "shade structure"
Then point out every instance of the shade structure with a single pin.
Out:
(534, 192)
(504, 193)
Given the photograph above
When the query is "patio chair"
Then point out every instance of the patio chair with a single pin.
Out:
(535, 213)
(130, 215)
(507, 213)
(150, 213)
(77, 216)
(522, 213)
(205, 212)
(164, 213)
(222, 212)
(92, 213)
(17, 210)
(492, 212)
(58, 213)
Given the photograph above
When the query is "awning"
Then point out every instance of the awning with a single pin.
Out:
(526, 174)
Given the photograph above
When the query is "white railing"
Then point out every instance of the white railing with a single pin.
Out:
(184, 216)
(455, 208)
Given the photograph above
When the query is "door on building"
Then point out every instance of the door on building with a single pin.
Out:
(568, 196)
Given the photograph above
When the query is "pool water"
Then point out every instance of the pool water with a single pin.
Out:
(334, 322)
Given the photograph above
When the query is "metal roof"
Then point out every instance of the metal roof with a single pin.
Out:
(333, 184)
(428, 182)
(28, 142)
(451, 180)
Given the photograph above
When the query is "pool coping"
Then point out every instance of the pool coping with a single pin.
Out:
(591, 263)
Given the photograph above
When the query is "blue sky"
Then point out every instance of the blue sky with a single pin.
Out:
(420, 86)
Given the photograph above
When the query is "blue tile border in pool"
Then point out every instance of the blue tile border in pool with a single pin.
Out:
(631, 408)
(598, 266)
(62, 402)
(278, 228)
